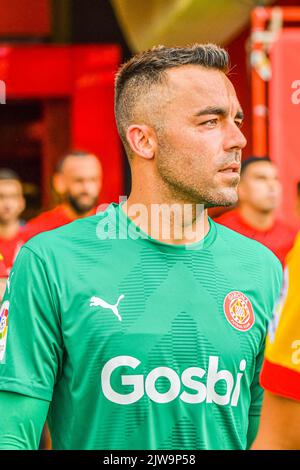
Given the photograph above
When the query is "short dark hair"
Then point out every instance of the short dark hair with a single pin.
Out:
(148, 68)
(8, 174)
(72, 153)
(253, 159)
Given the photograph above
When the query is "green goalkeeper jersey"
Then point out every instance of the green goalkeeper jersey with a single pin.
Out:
(135, 343)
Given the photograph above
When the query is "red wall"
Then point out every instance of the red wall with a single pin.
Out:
(25, 17)
(85, 76)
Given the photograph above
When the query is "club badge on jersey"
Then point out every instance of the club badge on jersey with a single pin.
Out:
(238, 311)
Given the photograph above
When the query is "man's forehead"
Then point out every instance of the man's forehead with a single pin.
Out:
(10, 185)
(261, 168)
(196, 75)
(195, 80)
(80, 163)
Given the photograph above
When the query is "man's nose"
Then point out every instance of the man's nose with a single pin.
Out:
(235, 137)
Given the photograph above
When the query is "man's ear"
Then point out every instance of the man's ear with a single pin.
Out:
(59, 183)
(142, 140)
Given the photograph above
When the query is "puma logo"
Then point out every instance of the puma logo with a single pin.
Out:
(98, 302)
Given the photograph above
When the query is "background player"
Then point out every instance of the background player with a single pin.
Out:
(260, 195)
(280, 420)
(12, 204)
(77, 181)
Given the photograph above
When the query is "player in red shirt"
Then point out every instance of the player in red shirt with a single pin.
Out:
(259, 197)
(12, 204)
(78, 181)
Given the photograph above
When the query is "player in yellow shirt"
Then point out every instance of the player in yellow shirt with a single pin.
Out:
(280, 418)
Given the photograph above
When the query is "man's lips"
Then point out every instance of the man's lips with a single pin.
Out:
(233, 168)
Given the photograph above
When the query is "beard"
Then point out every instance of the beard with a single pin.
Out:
(209, 197)
(183, 185)
(79, 207)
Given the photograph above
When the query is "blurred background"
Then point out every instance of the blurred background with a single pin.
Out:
(58, 59)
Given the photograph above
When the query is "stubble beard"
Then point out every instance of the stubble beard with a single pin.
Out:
(182, 190)
(79, 208)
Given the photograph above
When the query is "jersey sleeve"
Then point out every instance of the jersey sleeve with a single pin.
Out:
(281, 368)
(31, 346)
(21, 421)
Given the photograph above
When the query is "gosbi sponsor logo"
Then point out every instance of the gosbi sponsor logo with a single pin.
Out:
(238, 311)
(187, 387)
(3, 327)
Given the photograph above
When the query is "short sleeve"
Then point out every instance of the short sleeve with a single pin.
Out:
(31, 346)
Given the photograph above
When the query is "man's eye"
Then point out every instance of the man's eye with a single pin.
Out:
(210, 122)
(239, 123)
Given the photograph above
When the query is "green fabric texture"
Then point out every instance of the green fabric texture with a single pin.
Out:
(21, 421)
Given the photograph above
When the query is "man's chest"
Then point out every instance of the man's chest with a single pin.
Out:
(167, 317)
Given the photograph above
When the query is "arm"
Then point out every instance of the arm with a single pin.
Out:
(280, 424)
(3, 281)
(21, 421)
(31, 350)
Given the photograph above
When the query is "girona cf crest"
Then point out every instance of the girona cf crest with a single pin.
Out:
(238, 311)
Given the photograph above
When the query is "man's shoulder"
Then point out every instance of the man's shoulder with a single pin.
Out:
(286, 228)
(294, 253)
(44, 216)
(243, 243)
(228, 216)
(47, 220)
(61, 238)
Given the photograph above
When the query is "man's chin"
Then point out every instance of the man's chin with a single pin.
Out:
(81, 208)
(227, 198)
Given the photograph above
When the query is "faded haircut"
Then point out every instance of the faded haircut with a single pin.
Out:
(8, 174)
(72, 153)
(253, 159)
(136, 77)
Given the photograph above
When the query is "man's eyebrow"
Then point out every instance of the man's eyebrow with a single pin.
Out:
(219, 112)
(212, 110)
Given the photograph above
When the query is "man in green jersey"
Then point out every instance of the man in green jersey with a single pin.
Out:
(126, 337)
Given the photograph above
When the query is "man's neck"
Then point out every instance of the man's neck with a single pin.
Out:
(259, 220)
(173, 222)
(9, 230)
